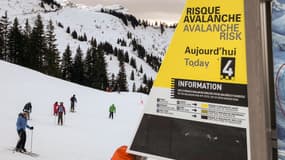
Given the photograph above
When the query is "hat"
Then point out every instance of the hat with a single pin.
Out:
(25, 114)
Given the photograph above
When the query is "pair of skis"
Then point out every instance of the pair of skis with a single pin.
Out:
(32, 154)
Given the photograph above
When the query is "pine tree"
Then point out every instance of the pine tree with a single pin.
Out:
(96, 67)
(52, 3)
(141, 69)
(74, 34)
(123, 43)
(85, 37)
(101, 67)
(15, 43)
(115, 51)
(52, 58)
(1, 40)
(126, 58)
(68, 30)
(121, 78)
(129, 35)
(90, 63)
(144, 79)
(132, 76)
(66, 64)
(60, 25)
(112, 82)
(38, 45)
(141, 51)
(140, 89)
(88, 69)
(78, 67)
(4, 23)
(93, 42)
(149, 84)
(121, 56)
(135, 44)
(107, 47)
(133, 63)
(134, 87)
(27, 56)
(162, 28)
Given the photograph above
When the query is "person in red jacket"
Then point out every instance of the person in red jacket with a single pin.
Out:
(60, 112)
(55, 108)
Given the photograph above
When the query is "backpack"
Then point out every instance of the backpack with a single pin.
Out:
(60, 109)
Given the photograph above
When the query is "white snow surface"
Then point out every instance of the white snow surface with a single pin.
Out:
(87, 134)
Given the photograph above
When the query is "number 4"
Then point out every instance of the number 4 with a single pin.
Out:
(228, 69)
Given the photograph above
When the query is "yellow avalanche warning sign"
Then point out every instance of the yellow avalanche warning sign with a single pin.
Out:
(209, 44)
(198, 106)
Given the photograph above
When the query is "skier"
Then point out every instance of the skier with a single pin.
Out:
(72, 101)
(60, 112)
(55, 107)
(112, 110)
(21, 129)
(28, 108)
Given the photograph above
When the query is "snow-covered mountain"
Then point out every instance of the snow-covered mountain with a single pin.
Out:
(104, 27)
(86, 134)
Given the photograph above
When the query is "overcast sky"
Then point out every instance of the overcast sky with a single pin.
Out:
(164, 10)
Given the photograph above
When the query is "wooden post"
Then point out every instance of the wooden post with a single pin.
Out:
(259, 102)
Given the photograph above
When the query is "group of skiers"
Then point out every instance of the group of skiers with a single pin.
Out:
(23, 117)
(59, 109)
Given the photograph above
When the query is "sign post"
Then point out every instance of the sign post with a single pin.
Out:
(198, 106)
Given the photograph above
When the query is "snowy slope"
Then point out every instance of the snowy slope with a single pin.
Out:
(102, 26)
(18, 8)
(87, 134)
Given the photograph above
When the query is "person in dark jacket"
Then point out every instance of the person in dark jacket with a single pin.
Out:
(28, 109)
(73, 100)
(21, 130)
(60, 112)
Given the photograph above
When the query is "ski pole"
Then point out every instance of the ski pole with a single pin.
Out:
(32, 141)
(63, 116)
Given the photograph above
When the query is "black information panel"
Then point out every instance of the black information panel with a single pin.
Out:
(164, 136)
(212, 92)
